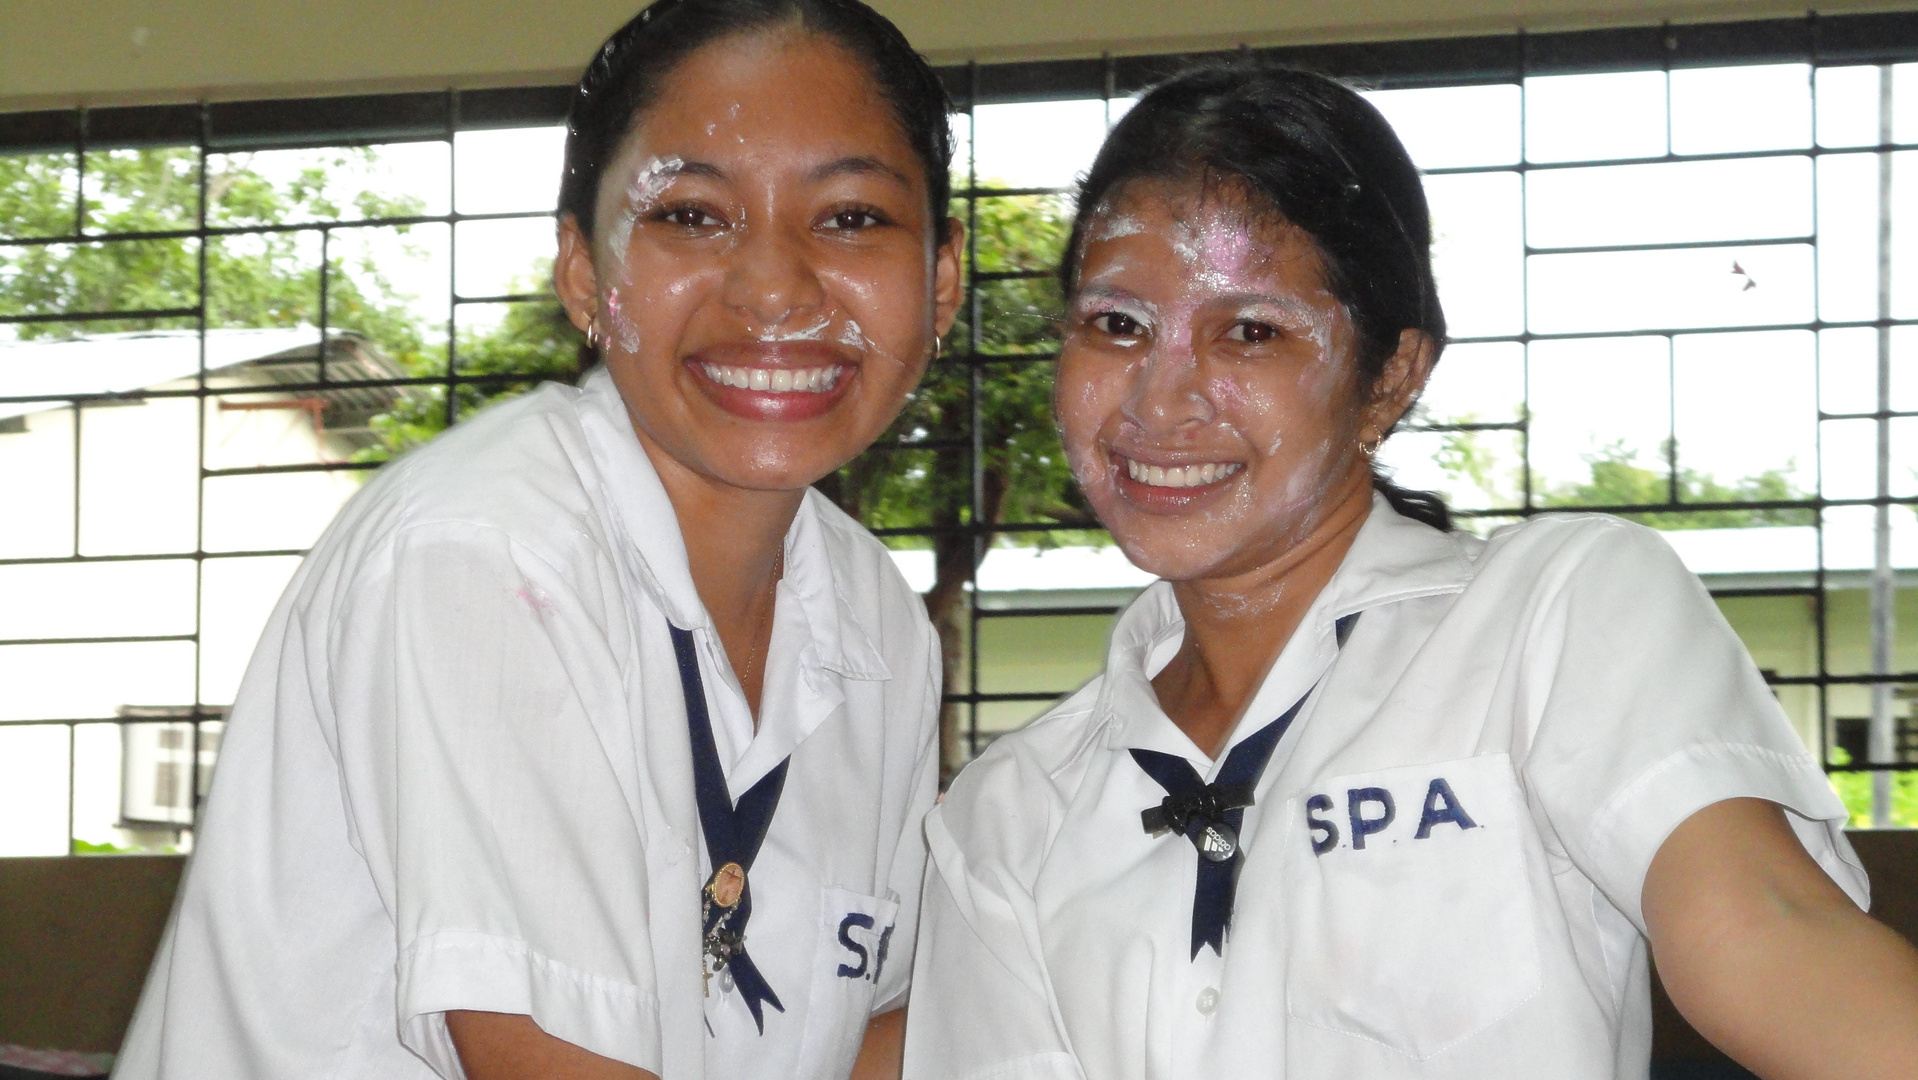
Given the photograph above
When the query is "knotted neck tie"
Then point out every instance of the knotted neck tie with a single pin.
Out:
(1211, 815)
(733, 832)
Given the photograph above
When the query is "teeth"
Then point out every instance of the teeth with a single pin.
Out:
(775, 380)
(1180, 476)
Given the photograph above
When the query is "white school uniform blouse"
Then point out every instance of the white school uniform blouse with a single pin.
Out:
(457, 776)
(1569, 682)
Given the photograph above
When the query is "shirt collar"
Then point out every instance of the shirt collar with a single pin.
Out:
(1393, 558)
(631, 485)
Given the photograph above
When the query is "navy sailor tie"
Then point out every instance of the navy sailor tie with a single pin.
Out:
(733, 834)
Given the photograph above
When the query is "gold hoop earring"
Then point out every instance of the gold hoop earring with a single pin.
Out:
(592, 330)
(938, 346)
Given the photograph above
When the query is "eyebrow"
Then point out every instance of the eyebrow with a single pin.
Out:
(858, 166)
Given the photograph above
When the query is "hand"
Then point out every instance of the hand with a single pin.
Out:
(509, 1046)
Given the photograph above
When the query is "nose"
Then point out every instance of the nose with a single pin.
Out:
(1166, 391)
(771, 279)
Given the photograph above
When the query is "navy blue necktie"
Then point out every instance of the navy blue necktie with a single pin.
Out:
(733, 834)
(1210, 815)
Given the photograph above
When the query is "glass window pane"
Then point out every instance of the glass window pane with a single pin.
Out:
(283, 187)
(1478, 252)
(1692, 288)
(273, 511)
(36, 475)
(1474, 470)
(1745, 413)
(1848, 370)
(38, 193)
(1476, 383)
(150, 190)
(1904, 233)
(1759, 107)
(1601, 415)
(105, 599)
(1454, 126)
(33, 789)
(503, 258)
(1025, 232)
(1848, 237)
(264, 279)
(1848, 450)
(389, 285)
(1904, 104)
(1590, 117)
(117, 275)
(139, 476)
(1036, 143)
(1848, 106)
(237, 596)
(1904, 368)
(1041, 653)
(508, 171)
(60, 682)
(1685, 202)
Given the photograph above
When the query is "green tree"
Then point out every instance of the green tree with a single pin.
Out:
(1618, 480)
(261, 279)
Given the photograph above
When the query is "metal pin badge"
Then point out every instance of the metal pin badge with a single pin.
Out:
(1217, 842)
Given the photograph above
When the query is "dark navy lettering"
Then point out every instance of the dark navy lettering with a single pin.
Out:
(864, 922)
(1329, 837)
(879, 955)
(1442, 806)
(1362, 826)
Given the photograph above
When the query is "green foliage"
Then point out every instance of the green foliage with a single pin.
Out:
(266, 279)
(1854, 788)
(85, 847)
(534, 340)
(1618, 480)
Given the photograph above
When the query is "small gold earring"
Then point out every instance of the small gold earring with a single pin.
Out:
(592, 330)
(938, 346)
(1371, 449)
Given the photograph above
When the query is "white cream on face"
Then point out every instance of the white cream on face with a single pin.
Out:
(1193, 390)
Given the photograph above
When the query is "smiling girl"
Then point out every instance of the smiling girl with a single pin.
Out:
(1358, 795)
(589, 742)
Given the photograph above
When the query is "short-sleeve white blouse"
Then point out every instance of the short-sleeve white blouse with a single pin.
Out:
(458, 776)
(1444, 861)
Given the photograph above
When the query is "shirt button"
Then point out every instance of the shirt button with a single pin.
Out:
(1208, 1001)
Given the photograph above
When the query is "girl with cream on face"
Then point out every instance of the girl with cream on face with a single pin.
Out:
(1358, 794)
(589, 741)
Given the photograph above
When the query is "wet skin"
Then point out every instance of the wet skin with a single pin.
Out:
(1210, 404)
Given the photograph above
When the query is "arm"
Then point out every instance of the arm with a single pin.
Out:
(883, 1052)
(509, 1046)
(1768, 959)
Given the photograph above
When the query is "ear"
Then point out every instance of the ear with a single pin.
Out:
(948, 278)
(1401, 383)
(575, 278)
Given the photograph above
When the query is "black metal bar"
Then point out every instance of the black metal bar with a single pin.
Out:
(263, 229)
(1081, 611)
(303, 467)
(128, 639)
(101, 316)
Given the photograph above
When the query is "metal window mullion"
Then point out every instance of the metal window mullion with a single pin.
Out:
(201, 399)
(1527, 504)
(1882, 743)
(452, 255)
(974, 386)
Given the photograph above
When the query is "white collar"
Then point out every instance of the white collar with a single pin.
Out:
(632, 486)
(1393, 558)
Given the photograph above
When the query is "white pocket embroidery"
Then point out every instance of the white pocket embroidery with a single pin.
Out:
(1411, 920)
(855, 936)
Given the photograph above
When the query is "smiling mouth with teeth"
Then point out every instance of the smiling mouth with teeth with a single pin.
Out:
(1180, 476)
(815, 380)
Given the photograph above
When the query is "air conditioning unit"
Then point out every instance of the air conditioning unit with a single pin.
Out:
(166, 762)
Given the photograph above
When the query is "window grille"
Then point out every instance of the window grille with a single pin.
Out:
(1808, 331)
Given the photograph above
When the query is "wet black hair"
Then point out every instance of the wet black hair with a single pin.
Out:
(624, 79)
(1319, 157)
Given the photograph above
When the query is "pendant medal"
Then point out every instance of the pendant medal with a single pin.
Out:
(723, 891)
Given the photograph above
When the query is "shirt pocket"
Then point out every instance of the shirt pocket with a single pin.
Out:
(1410, 916)
(855, 934)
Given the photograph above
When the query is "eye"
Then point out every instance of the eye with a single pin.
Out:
(1252, 333)
(1118, 324)
(689, 217)
(853, 219)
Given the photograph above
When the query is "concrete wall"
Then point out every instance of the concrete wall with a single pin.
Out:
(54, 53)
